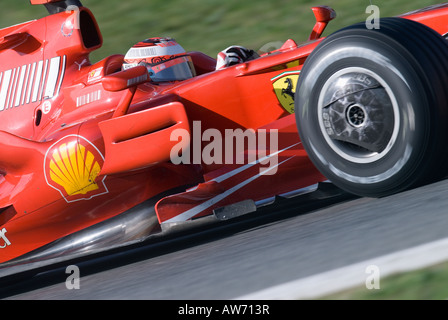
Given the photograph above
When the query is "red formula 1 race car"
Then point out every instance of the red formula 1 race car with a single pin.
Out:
(97, 156)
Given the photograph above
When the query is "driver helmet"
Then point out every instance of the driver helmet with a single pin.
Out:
(164, 58)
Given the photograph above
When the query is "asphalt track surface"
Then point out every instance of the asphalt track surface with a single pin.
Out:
(298, 239)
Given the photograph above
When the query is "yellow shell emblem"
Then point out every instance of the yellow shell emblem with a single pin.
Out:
(285, 88)
(72, 166)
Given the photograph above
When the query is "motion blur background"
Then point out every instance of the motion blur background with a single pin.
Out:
(209, 25)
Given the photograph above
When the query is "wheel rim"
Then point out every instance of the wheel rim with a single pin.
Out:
(358, 115)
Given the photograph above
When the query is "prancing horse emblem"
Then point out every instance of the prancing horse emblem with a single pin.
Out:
(288, 90)
(285, 85)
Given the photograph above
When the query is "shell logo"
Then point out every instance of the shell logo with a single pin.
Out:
(72, 166)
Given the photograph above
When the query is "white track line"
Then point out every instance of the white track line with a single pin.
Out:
(355, 275)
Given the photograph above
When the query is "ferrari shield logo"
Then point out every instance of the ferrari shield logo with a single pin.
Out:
(72, 166)
(285, 88)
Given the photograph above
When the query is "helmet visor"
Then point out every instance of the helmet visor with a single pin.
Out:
(179, 68)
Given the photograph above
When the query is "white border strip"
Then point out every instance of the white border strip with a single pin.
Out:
(355, 275)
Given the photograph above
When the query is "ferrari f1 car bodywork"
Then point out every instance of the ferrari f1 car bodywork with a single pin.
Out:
(93, 157)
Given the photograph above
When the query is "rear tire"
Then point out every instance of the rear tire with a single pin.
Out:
(371, 107)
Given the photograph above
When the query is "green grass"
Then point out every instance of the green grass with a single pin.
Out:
(209, 25)
(427, 284)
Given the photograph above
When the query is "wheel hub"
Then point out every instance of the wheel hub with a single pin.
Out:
(358, 114)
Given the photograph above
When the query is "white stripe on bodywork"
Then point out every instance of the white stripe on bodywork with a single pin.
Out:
(26, 83)
(30, 82)
(53, 75)
(62, 75)
(38, 77)
(6, 78)
(207, 204)
(41, 91)
(20, 85)
(249, 165)
(12, 89)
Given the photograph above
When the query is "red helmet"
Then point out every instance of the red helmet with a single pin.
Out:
(164, 58)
